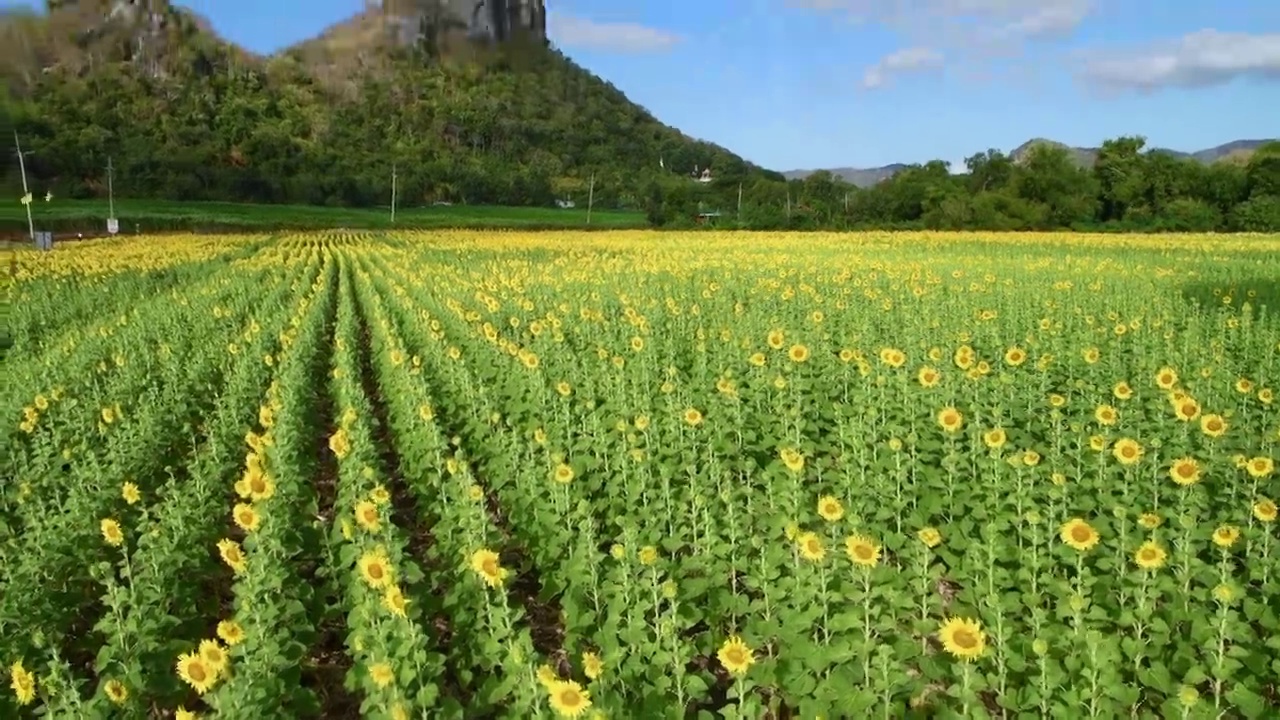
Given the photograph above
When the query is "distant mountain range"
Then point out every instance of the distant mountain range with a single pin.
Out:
(1235, 151)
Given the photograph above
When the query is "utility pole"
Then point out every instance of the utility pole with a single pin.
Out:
(739, 203)
(393, 193)
(111, 190)
(22, 167)
(591, 196)
(788, 203)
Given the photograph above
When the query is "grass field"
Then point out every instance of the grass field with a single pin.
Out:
(152, 216)
(520, 475)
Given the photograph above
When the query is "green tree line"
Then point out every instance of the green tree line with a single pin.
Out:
(1127, 189)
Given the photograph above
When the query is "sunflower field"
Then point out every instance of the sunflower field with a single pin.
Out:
(641, 475)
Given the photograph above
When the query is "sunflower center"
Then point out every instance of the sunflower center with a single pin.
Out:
(197, 673)
(735, 656)
(1081, 533)
(570, 697)
(965, 639)
(814, 547)
(257, 485)
(863, 552)
(1128, 451)
(375, 571)
(490, 567)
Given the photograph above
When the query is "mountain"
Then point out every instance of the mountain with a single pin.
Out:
(465, 98)
(1236, 151)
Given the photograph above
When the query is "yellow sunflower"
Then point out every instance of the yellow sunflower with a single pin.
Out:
(736, 656)
(862, 550)
(111, 532)
(195, 672)
(485, 564)
(1185, 471)
(798, 353)
(1226, 535)
(23, 682)
(1079, 534)
(1265, 510)
(592, 665)
(829, 508)
(811, 547)
(963, 638)
(232, 555)
(1127, 451)
(1213, 425)
(245, 517)
(116, 692)
(1149, 555)
(230, 632)
(950, 419)
(1260, 467)
(930, 537)
(569, 699)
(375, 569)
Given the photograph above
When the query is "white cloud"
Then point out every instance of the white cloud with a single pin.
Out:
(904, 60)
(621, 37)
(967, 30)
(1200, 59)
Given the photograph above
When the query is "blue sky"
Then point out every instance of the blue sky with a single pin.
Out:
(834, 83)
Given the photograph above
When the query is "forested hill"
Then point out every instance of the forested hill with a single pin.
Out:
(186, 115)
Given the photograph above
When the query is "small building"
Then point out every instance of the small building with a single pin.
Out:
(704, 218)
(565, 204)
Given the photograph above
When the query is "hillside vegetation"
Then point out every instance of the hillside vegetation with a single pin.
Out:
(187, 116)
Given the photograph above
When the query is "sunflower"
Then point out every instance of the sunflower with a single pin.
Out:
(1079, 534)
(214, 656)
(116, 692)
(1122, 391)
(380, 495)
(1226, 535)
(1149, 520)
(130, 493)
(648, 555)
(1244, 386)
(485, 564)
(1127, 451)
(23, 683)
(563, 474)
(1260, 467)
(1187, 409)
(230, 632)
(569, 699)
(693, 416)
(367, 515)
(811, 546)
(798, 353)
(195, 672)
(930, 537)
(775, 339)
(963, 638)
(829, 508)
(1105, 415)
(757, 359)
(375, 568)
(950, 419)
(340, 443)
(245, 517)
(261, 486)
(994, 438)
(1030, 458)
(111, 532)
(1213, 425)
(1015, 356)
(862, 550)
(792, 459)
(1166, 378)
(184, 714)
(736, 656)
(1265, 510)
(394, 601)
(1149, 556)
(547, 677)
(1185, 471)
(1091, 355)
(232, 555)
(381, 674)
(592, 665)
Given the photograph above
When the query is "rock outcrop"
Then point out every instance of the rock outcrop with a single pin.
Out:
(412, 21)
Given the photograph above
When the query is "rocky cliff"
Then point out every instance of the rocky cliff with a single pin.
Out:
(412, 21)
